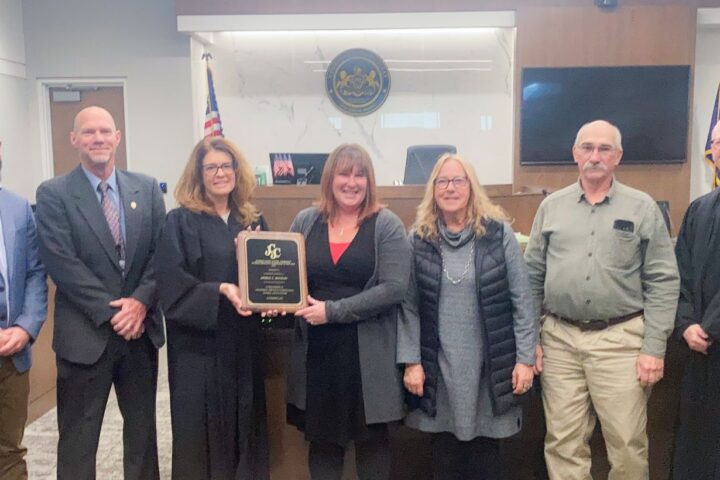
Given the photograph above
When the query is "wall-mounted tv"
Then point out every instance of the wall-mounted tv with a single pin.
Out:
(648, 104)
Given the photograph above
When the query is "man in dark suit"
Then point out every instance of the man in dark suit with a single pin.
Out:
(23, 309)
(98, 229)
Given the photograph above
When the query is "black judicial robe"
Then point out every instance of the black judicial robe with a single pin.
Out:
(217, 394)
(697, 443)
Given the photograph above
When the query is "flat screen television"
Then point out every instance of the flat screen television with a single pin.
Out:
(648, 104)
(297, 168)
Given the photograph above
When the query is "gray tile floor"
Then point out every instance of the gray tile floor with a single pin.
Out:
(41, 438)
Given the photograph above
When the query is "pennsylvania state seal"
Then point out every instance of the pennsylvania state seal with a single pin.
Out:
(357, 81)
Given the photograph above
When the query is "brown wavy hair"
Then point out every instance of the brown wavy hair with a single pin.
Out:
(190, 190)
(479, 207)
(342, 160)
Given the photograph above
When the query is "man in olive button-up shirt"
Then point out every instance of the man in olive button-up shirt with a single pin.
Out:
(603, 269)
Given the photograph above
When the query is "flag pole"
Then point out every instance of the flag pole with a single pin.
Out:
(213, 124)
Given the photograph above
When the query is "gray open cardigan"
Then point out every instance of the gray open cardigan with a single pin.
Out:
(375, 311)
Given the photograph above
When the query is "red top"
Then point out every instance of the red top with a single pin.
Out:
(337, 249)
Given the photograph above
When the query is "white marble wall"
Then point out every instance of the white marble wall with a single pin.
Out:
(447, 87)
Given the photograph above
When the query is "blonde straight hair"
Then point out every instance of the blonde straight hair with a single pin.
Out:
(479, 207)
(190, 190)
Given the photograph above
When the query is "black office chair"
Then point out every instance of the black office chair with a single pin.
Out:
(421, 160)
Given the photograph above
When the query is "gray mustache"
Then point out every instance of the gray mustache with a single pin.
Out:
(594, 166)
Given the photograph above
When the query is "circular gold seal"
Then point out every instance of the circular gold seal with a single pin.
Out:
(357, 81)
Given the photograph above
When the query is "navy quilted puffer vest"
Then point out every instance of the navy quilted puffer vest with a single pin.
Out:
(495, 315)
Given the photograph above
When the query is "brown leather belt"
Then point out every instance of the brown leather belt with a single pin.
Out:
(592, 325)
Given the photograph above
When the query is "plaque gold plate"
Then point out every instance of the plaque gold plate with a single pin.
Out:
(272, 271)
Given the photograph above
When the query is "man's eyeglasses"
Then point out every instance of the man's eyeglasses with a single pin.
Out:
(213, 169)
(587, 149)
(459, 182)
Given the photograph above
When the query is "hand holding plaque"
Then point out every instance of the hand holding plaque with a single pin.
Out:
(272, 272)
(232, 293)
(315, 313)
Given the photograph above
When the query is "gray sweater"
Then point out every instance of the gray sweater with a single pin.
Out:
(375, 311)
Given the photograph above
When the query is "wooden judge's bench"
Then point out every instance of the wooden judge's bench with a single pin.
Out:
(280, 203)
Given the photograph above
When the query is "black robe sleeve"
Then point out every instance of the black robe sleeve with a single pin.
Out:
(711, 318)
(263, 224)
(692, 255)
(686, 315)
(185, 298)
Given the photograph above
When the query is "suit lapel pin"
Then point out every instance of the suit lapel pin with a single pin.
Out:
(133, 205)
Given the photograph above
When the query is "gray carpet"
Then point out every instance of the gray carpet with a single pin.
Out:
(41, 438)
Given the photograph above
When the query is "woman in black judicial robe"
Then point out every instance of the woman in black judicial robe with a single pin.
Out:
(697, 440)
(217, 394)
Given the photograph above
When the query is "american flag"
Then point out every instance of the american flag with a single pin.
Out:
(213, 125)
(283, 166)
(708, 152)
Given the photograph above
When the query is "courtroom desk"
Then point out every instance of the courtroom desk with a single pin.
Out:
(521, 454)
(280, 203)
(43, 372)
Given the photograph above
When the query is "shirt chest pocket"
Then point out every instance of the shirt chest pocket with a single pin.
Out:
(621, 250)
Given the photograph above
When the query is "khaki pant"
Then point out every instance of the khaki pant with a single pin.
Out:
(14, 390)
(589, 374)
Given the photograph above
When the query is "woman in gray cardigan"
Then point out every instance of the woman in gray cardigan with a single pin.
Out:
(470, 332)
(344, 383)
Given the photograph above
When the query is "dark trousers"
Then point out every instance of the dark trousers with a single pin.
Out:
(82, 394)
(14, 390)
(477, 459)
(372, 457)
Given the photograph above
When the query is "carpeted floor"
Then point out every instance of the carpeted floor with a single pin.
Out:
(41, 438)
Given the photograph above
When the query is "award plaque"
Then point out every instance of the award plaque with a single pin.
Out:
(271, 268)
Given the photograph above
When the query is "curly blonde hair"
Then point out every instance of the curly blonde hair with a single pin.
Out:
(479, 207)
(190, 190)
(342, 160)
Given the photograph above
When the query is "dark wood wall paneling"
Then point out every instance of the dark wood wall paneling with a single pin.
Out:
(587, 36)
(43, 373)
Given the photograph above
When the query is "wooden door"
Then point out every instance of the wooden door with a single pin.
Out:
(62, 114)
